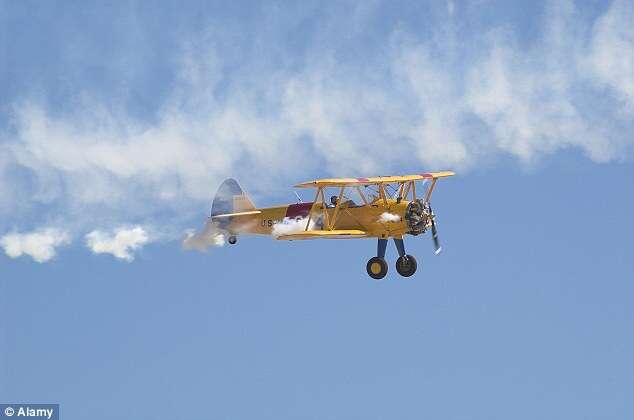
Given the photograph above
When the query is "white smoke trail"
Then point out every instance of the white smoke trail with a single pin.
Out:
(121, 243)
(40, 245)
(389, 217)
(201, 241)
(289, 225)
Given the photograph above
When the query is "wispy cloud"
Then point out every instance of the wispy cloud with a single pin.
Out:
(611, 53)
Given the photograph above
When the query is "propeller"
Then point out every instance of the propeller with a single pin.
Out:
(434, 234)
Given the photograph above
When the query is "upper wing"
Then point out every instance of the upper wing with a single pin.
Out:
(325, 234)
(340, 182)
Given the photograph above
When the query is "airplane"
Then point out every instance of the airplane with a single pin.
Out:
(388, 207)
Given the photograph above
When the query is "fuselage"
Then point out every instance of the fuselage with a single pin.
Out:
(380, 218)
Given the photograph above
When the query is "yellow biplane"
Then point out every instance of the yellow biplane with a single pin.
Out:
(386, 207)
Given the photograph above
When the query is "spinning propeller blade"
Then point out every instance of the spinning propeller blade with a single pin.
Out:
(434, 235)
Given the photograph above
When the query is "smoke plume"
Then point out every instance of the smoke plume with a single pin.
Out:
(389, 217)
(40, 245)
(121, 243)
(201, 241)
(289, 225)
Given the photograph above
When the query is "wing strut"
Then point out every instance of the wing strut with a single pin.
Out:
(430, 190)
(335, 212)
(312, 208)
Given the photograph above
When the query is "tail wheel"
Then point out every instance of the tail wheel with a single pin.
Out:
(406, 265)
(377, 268)
(232, 239)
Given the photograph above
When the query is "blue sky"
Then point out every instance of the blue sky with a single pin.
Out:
(118, 123)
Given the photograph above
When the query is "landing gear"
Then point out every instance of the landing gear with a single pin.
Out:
(377, 268)
(406, 265)
(232, 239)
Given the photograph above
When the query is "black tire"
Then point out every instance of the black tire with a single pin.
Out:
(232, 239)
(406, 265)
(376, 268)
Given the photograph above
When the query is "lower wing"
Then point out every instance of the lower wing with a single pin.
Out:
(323, 234)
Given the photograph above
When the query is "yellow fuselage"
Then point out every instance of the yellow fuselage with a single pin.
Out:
(369, 218)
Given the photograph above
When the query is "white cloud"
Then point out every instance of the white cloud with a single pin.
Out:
(436, 127)
(40, 245)
(121, 243)
(534, 101)
(611, 55)
(527, 112)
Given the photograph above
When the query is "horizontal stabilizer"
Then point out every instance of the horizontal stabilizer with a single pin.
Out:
(242, 213)
(323, 234)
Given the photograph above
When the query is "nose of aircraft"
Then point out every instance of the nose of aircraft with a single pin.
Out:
(418, 214)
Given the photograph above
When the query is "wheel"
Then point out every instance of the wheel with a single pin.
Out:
(232, 239)
(406, 265)
(377, 268)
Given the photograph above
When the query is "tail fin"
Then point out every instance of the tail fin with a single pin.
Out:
(230, 199)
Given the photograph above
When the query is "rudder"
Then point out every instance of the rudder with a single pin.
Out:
(230, 198)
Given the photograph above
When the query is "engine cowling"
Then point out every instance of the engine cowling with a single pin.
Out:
(418, 216)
